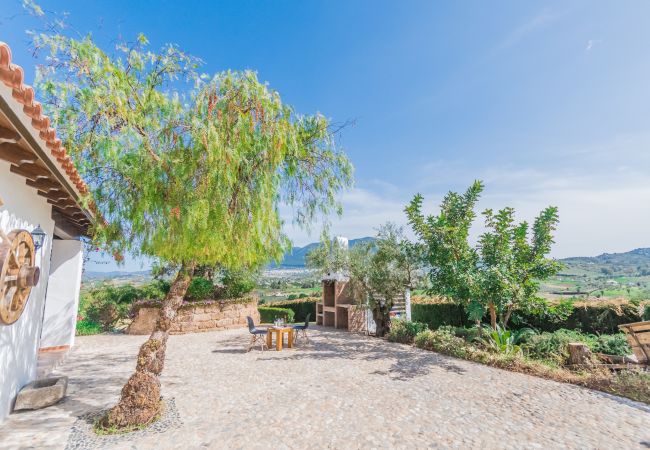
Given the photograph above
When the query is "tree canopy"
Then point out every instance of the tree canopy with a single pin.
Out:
(183, 166)
(499, 274)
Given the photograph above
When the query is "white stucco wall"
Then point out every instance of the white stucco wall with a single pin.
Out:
(19, 342)
(62, 298)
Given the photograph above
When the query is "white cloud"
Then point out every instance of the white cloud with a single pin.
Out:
(601, 210)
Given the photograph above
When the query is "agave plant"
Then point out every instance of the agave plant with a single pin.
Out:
(503, 341)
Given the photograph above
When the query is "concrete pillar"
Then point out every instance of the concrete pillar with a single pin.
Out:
(407, 301)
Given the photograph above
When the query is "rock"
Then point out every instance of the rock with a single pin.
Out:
(41, 393)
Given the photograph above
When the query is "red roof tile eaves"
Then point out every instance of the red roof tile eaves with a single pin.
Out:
(12, 75)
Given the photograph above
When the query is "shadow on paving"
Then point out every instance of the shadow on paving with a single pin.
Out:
(329, 345)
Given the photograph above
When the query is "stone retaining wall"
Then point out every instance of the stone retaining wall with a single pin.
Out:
(202, 317)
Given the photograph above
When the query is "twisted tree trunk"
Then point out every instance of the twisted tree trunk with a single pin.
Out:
(140, 400)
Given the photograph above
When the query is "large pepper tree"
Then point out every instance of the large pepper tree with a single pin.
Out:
(185, 168)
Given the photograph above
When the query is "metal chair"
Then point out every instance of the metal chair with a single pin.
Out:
(297, 329)
(257, 335)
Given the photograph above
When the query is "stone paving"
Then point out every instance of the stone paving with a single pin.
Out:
(342, 391)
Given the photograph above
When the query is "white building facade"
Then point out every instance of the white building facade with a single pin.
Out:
(39, 187)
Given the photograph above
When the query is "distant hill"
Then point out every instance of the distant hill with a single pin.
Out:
(296, 257)
(91, 277)
(634, 262)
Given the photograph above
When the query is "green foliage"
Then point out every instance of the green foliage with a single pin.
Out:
(646, 312)
(105, 312)
(292, 297)
(186, 167)
(596, 318)
(379, 271)
(442, 341)
(268, 315)
(554, 346)
(300, 307)
(502, 272)
(87, 327)
(107, 305)
(404, 331)
(436, 315)
(199, 289)
(237, 283)
(612, 344)
(502, 341)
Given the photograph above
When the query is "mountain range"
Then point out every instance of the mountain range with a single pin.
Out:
(634, 261)
(296, 258)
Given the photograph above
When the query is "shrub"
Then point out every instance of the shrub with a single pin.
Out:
(404, 331)
(602, 317)
(437, 314)
(300, 307)
(303, 295)
(268, 315)
(612, 344)
(87, 327)
(104, 311)
(646, 312)
(554, 346)
(442, 341)
(236, 284)
(199, 289)
(156, 290)
(292, 297)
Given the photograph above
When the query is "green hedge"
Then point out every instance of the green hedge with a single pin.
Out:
(597, 318)
(268, 315)
(300, 307)
(436, 315)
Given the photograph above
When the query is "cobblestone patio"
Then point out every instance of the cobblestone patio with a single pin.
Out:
(343, 391)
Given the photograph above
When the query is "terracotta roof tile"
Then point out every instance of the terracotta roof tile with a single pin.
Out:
(12, 76)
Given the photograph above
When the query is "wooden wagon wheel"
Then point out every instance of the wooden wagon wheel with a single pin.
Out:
(17, 273)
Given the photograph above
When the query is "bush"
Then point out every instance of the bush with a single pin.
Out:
(554, 346)
(598, 318)
(268, 315)
(442, 341)
(300, 307)
(292, 297)
(104, 311)
(612, 344)
(439, 314)
(646, 312)
(87, 327)
(236, 284)
(199, 289)
(404, 331)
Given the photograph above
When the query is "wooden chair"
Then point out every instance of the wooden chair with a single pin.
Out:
(638, 336)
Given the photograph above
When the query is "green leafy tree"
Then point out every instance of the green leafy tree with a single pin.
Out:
(502, 272)
(451, 260)
(185, 168)
(378, 271)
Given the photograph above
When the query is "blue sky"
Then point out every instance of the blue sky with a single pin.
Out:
(547, 102)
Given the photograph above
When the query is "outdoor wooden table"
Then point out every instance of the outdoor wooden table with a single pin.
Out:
(279, 337)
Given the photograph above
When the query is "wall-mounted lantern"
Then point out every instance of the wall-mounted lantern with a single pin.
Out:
(38, 234)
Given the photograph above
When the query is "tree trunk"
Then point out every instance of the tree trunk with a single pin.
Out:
(381, 316)
(140, 400)
(579, 354)
(493, 315)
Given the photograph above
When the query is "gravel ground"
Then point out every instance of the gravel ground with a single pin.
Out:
(342, 391)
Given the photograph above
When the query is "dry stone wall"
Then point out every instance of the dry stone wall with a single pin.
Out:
(197, 318)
